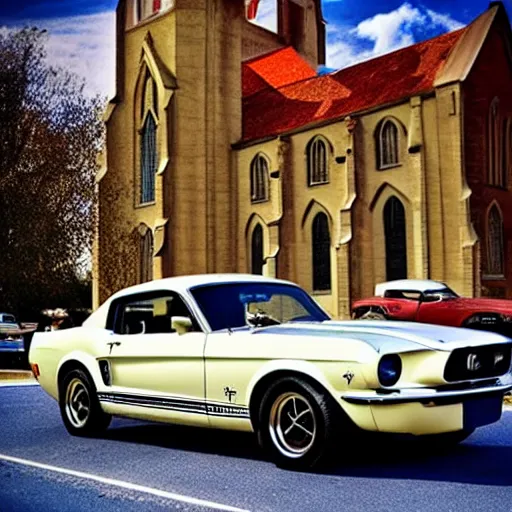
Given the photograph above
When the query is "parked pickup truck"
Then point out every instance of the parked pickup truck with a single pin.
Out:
(434, 302)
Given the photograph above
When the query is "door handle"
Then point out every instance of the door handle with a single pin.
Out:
(112, 343)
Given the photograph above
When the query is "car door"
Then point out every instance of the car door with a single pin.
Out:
(439, 312)
(151, 365)
(402, 304)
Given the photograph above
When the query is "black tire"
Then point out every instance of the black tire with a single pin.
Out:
(323, 419)
(79, 405)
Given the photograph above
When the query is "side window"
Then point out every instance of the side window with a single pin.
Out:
(151, 314)
(402, 294)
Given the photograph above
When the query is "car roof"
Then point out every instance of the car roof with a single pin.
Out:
(420, 285)
(185, 282)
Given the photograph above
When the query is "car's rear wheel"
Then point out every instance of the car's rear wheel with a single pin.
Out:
(297, 424)
(79, 406)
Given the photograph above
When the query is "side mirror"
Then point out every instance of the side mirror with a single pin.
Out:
(181, 324)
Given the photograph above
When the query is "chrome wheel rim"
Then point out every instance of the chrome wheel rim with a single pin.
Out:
(292, 425)
(78, 403)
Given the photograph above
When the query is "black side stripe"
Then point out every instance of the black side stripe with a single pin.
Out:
(176, 404)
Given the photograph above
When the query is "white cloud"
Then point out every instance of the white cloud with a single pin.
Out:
(385, 31)
(391, 30)
(84, 45)
(340, 52)
(444, 20)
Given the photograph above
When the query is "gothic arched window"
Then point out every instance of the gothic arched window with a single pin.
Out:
(259, 179)
(395, 239)
(257, 250)
(388, 145)
(148, 142)
(146, 256)
(495, 243)
(317, 162)
(321, 247)
(495, 175)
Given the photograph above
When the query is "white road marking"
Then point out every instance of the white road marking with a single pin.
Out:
(125, 485)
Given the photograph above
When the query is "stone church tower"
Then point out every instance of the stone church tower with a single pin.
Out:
(168, 188)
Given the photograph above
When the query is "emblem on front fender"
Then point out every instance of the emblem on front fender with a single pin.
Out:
(349, 376)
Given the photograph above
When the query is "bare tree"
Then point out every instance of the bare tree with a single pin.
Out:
(50, 136)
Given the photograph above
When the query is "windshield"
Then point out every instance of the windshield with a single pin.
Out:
(444, 293)
(228, 306)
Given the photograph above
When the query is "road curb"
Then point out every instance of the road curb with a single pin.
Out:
(16, 377)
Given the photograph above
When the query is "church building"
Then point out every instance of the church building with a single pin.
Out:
(227, 152)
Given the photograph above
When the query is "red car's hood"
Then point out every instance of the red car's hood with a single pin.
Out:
(483, 305)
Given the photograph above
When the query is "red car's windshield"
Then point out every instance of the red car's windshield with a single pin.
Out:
(444, 293)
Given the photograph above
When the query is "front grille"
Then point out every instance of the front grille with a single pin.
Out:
(478, 362)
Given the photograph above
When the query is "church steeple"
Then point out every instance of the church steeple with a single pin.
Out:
(301, 25)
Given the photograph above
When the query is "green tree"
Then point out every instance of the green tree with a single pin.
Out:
(51, 134)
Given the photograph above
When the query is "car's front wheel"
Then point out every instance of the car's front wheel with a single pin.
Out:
(79, 406)
(297, 424)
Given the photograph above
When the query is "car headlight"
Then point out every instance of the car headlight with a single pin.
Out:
(389, 369)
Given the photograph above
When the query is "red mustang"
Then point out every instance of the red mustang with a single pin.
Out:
(433, 302)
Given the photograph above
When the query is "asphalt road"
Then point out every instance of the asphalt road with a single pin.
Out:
(179, 465)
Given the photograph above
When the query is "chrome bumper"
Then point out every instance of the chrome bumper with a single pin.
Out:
(429, 396)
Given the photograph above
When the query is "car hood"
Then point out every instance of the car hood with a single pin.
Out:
(383, 335)
(484, 305)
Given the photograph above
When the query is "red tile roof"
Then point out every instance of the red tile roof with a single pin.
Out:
(274, 103)
(276, 69)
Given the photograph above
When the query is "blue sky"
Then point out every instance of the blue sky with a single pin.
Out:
(81, 32)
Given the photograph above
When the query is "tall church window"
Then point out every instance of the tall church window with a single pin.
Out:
(146, 256)
(508, 146)
(495, 243)
(495, 146)
(321, 247)
(259, 179)
(148, 142)
(388, 145)
(257, 250)
(317, 161)
(395, 239)
(506, 149)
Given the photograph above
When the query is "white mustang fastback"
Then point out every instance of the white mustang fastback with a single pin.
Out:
(250, 353)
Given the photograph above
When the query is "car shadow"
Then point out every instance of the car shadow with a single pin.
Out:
(203, 440)
(404, 458)
(374, 456)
